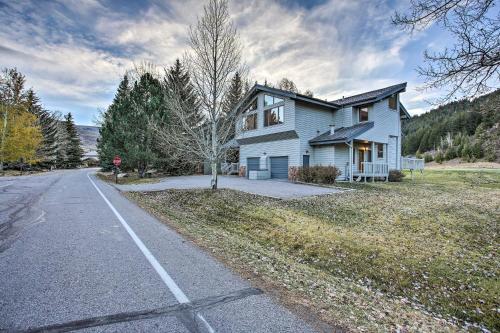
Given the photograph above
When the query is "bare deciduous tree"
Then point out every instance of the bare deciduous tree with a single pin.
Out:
(214, 57)
(288, 85)
(472, 66)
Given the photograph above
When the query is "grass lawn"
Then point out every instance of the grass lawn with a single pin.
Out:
(10, 173)
(420, 256)
(133, 178)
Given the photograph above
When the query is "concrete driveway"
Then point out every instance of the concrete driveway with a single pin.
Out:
(270, 188)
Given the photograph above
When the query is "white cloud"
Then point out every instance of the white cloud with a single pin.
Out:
(77, 51)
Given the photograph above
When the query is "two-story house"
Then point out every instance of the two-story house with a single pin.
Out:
(361, 134)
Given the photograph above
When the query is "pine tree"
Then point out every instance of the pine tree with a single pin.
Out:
(233, 98)
(74, 151)
(48, 125)
(113, 126)
(177, 81)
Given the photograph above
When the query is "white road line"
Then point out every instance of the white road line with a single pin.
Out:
(169, 282)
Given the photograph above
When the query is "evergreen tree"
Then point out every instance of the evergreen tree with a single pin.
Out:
(146, 100)
(233, 98)
(74, 151)
(111, 140)
(48, 125)
(458, 125)
(177, 80)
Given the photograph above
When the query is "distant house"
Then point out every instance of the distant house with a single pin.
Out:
(361, 135)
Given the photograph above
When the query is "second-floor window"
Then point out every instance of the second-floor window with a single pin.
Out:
(271, 100)
(363, 114)
(273, 116)
(250, 122)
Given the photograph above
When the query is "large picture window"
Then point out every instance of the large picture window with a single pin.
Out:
(273, 116)
(250, 122)
(363, 114)
(271, 100)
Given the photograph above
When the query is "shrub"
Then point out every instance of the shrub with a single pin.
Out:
(318, 174)
(395, 175)
(439, 157)
(450, 153)
(490, 155)
(428, 157)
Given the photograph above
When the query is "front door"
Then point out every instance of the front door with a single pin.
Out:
(361, 159)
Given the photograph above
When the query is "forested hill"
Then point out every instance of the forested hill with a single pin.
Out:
(465, 128)
(88, 137)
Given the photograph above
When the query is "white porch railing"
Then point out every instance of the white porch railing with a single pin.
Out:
(230, 168)
(375, 169)
(412, 163)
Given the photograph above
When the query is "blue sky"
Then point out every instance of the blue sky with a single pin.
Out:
(74, 52)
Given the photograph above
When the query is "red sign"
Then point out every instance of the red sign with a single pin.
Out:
(117, 161)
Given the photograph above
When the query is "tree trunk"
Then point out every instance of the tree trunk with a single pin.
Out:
(214, 155)
(214, 175)
(141, 170)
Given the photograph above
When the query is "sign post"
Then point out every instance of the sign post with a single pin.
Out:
(117, 161)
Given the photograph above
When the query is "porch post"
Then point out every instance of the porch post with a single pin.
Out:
(374, 154)
(351, 154)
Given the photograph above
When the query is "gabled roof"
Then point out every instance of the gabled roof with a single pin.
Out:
(342, 134)
(360, 99)
(371, 96)
(285, 93)
(404, 113)
(268, 137)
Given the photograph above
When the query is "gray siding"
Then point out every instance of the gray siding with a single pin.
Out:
(324, 155)
(310, 122)
(288, 148)
(341, 159)
(392, 153)
(386, 122)
(343, 117)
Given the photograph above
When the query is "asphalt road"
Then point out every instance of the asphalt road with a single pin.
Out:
(76, 255)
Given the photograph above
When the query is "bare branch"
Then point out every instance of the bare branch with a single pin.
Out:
(472, 66)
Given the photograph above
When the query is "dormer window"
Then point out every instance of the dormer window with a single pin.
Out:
(271, 100)
(363, 114)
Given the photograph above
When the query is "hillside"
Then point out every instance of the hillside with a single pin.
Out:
(88, 136)
(469, 129)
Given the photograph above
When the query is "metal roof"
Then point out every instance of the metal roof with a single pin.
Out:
(370, 96)
(268, 137)
(280, 92)
(355, 100)
(342, 134)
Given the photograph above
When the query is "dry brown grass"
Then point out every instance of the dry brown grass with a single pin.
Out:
(416, 255)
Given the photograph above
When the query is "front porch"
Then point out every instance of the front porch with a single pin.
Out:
(367, 160)
(372, 170)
